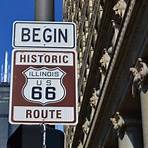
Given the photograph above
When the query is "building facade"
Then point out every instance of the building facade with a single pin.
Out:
(112, 46)
(4, 128)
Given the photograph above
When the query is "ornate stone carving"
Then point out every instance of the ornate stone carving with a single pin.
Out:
(93, 99)
(80, 145)
(85, 126)
(140, 74)
(104, 61)
(118, 123)
(120, 7)
(142, 69)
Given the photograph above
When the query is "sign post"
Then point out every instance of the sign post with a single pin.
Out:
(43, 87)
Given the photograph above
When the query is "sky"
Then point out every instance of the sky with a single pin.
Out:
(18, 10)
(10, 11)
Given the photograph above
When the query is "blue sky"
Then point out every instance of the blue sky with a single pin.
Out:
(20, 10)
(10, 11)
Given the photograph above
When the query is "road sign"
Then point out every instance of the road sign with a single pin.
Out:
(44, 35)
(43, 87)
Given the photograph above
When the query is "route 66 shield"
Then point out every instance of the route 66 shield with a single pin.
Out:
(44, 85)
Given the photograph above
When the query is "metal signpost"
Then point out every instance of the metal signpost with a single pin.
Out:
(44, 82)
(44, 74)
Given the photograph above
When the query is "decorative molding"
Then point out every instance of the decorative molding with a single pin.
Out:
(120, 7)
(140, 74)
(104, 61)
(93, 100)
(118, 123)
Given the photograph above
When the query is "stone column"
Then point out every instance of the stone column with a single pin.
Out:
(131, 138)
(140, 87)
(125, 142)
(144, 109)
(128, 132)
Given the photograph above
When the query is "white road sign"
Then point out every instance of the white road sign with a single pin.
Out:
(43, 87)
(49, 82)
(44, 34)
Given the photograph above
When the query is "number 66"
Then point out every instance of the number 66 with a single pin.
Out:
(49, 93)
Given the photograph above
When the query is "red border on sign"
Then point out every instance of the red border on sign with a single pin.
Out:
(18, 81)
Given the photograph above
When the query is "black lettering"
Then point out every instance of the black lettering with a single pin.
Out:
(28, 58)
(47, 58)
(22, 58)
(50, 93)
(33, 60)
(65, 59)
(36, 93)
(35, 35)
(48, 82)
(39, 82)
(25, 34)
(28, 114)
(58, 115)
(44, 113)
(62, 35)
(52, 113)
(36, 113)
(47, 37)
(54, 59)
(40, 58)
(55, 33)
